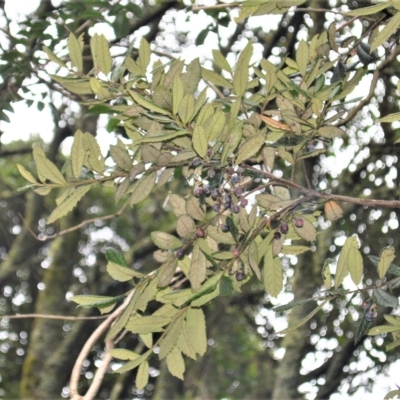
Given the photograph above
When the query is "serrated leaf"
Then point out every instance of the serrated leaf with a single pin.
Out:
(166, 272)
(142, 376)
(123, 354)
(250, 147)
(302, 56)
(168, 341)
(272, 273)
(333, 211)
(45, 168)
(393, 393)
(142, 188)
(178, 204)
(221, 61)
(69, 203)
(355, 262)
(390, 118)
(386, 257)
(75, 52)
(185, 226)
(116, 257)
(196, 329)
(387, 31)
(198, 266)
(214, 125)
(78, 154)
(303, 320)
(384, 299)
(175, 363)
(326, 274)
(241, 74)
(369, 10)
(378, 330)
(194, 209)
(343, 262)
(95, 158)
(186, 108)
(144, 55)
(231, 142)
(215, 78)
(146, 103)
(219, 236)
(26, 174)
(208, 291)
(185, 343)
(101, 53)
(147, 339)
(121, 157)
(307, 231)
(152, 323)
(177, 94)
(392, 319)
(331, 132)
(75, 85)
(53, 57)
(295, 249)
(134, 363)
(362, 328)
(89, 301)
(165, 241)
(121, 273)
(199, 140)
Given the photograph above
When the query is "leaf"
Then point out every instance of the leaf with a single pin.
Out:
(221, 61)
(53, 57)
(354, 260)
(123, 354)
(168, 341)
(219, 236)
(95, 159)
(101, 53)
(69, 203)
(384, 299)
(196, 329)
(185, 226)
(147, 104)
(231, 142)
(147, 339)
(26, 174)
(142, 188)
(178, 204)
(121, 157)
(144, 55)
(198, 267)
(77, 86)
(390, 118)
(250, 147)
(166, 272)
(186, 108)
(392, 394)
(272, 273)
(386, 257)
(200, 142)
(387, 31)
(369, 10)
(302, 56)
(75, 52)
(343, 266)
(78, 154)
(208, 291)
(121, 273)
(134, 363)
(362, 329)
(333, 211)
(142, 376)
(326, 274)
(303, 320)
(215, 78)
(194, 209)
(152, 323)
(175, 363)
(331, 132)
(285, 155)
(89, 301)
(378, 330)
(241, 74)
(45, 168)
(292, 304)
(165, 241)
(177, 94)
(295, 249)
(116, 257)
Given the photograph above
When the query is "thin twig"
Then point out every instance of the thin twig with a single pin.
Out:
(48, 316)
(216, 7)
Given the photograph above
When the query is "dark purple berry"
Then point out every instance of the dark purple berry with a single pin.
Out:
(235, 179)
(299, 223)
(238, 191)
(200, 233)
(235, 209)
(215, 193)
(284, 228)
(227, 205)
(211, 173)
(198, 191)
(217, 207)
(196, 161)
(239, 276)
(243, 203)
(370, 315)
(180, 253)
(236, 252)
(277, 235)
(207, 190)
(225, 228)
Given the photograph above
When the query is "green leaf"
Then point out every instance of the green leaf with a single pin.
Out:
(75, 85)
(241, 75)
(121, 273)
(221, 61)
(231, 142)
(215, 78)
(326, 274)
(121, 157)
(392, 319)
(116, 257)
(208, 291)
(147, 104)
(165, 241)
(166, 272)
(53, 57)
(196, 329)
(250, 147)
(178, 204)
(26, 174)
(344, 260)
(302, 57)
(169, 339)
(75, 52)
(101, 53)
(175, 363)
(386, 257)
(134, 363)
(390, 118)
(303, 320)
(69, 203)
(219, 236)
(177, 94)
(369, 10)
(393, 393)
(90, 301)
(153, 323)
(165, 137)
(198, 266)
(45, 168)
(307, 231)
(378, 330)
(123, 354)
(147, 339)
(384, 299)
(78, 154)
(362, 328)
(272, 273)
(144, 55)
(200, 142)
(331, 132)
(292, 304)
(186, 108)
(390, 28)
(194, 209)
(185, 226)
(142, 188)
(95, 158)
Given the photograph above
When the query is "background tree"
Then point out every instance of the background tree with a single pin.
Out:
(234, 157)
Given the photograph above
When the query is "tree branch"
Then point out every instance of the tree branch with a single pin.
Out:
(49, 316)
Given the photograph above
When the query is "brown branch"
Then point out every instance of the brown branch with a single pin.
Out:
(216, 7)
(49, 316)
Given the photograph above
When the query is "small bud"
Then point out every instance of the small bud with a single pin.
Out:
(236, 252)
(200, 233)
